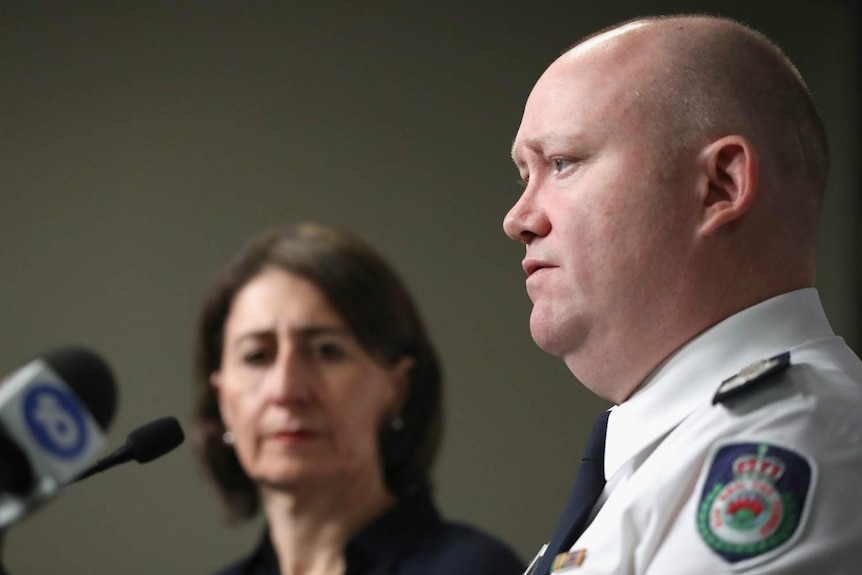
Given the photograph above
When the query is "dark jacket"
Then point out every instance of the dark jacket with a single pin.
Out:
(409, 539)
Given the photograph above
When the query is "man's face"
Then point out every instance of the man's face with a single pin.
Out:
(604, 214)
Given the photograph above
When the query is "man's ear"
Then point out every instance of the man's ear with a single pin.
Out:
(731, 169)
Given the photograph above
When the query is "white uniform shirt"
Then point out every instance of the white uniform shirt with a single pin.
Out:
(655, 518)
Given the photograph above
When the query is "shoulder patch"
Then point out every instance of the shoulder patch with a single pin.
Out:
(750, 376)
(754, 501)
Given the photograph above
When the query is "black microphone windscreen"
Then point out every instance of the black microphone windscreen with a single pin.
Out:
(16, 475)
(155, 438)
(89, 377)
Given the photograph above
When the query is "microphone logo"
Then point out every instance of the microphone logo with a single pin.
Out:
(55, 420)
(47, 419)
(53, 412)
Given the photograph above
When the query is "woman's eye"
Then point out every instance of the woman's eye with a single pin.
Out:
(328, 351)
(255, 357)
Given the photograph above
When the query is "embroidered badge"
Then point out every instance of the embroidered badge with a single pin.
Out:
(751, 375)
(753, 499)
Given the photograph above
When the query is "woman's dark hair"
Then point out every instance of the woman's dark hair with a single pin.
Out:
(380, 313)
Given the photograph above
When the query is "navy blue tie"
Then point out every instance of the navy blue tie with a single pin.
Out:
(589, 483)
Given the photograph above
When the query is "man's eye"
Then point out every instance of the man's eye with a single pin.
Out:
(561, 164)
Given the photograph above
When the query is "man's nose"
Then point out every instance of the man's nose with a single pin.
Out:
(526, 220)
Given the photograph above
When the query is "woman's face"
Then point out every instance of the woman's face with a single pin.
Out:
(303, 399)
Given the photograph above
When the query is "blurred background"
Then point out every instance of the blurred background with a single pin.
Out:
(142, 142)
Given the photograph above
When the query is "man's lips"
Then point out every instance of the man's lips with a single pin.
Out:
(532, 265)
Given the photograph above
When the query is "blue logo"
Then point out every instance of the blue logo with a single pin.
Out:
(55, 420)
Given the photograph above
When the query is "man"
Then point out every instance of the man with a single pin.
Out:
(673, 172)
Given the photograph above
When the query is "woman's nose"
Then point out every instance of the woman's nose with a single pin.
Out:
(290, 380)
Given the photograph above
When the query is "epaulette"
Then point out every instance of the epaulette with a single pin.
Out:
(751, 376)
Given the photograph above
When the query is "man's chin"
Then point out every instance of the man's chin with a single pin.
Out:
(549, 334)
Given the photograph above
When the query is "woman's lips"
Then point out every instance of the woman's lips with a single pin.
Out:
(292, 437)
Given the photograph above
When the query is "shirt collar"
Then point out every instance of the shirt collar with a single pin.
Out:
(690, 376)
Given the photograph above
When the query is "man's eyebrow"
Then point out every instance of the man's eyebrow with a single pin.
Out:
(513, 152)
(553, 140)
(518, 145)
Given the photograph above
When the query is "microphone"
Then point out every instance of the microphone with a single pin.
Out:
(147, 442)
(53, 414)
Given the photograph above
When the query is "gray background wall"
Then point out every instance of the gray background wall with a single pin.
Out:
(141, 142)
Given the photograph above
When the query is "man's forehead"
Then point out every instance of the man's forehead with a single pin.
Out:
(604, 40)
(589, 80)
(612, 60)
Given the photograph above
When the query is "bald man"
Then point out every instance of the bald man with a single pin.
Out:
(673, 173)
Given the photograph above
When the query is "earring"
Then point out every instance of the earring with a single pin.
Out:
(228, 438)
(397, 423)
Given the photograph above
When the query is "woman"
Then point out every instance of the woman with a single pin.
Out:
(319, 400)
